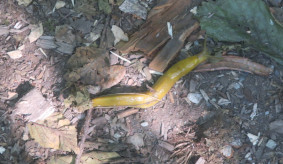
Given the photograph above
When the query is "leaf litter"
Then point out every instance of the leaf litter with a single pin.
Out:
(55, 132)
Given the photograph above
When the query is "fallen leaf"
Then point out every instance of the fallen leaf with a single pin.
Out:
(116, 74)
(35, 33)
(55, 132)
(245, 21)
(94, 157)
(119, 34)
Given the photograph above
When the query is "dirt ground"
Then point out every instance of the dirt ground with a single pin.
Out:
(175, 130)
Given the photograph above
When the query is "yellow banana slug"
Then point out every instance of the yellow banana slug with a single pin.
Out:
(160, 88)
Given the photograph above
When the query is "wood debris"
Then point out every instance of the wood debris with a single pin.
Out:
(154, 34)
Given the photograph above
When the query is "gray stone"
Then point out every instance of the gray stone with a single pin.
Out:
(133, 7)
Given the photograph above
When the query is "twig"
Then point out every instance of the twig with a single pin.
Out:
(236, 63)
(86, 127)
(127, 113)
(102, 44)
(113, 53)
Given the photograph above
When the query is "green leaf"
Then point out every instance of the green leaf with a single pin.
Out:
(248, 21)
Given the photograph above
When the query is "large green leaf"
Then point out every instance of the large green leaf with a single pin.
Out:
(249, 21)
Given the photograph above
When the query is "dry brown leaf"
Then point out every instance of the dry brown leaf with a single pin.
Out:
(55, 132)
(116, 74)
(94, 157)
(88, 65)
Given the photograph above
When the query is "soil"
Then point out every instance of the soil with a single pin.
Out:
(173, 131)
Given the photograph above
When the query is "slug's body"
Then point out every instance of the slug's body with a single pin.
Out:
(161, 87)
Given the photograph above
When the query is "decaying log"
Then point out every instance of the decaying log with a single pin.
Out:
(153, 34)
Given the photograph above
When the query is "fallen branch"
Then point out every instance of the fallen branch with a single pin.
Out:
(86, 127)
(236, 63)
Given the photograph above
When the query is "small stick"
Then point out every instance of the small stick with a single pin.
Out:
(41, 50)
(236, 63)
(86, 128)
(127, 113)
(126, 60)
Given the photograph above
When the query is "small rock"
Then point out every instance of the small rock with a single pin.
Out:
(12, 95)
(271, 144)
(2, 149)
(117, 136)
(144, 124)
(130, 82)
(201, 160)
(60, 4)
(15, 54)
(93, 89)
(253, 138)
(227, 151)
(194, 97)
(276, 126)
(136, 140)
(133, 7)
(237, 143)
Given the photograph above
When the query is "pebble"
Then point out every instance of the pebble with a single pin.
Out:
(144, 124)
(133, 7)
(201, 160)
(2, 149)
(12, 95)
(271, 144)
(253, 138)
(237, 143)
(117, 136)
(194, 97)
(227, 151)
